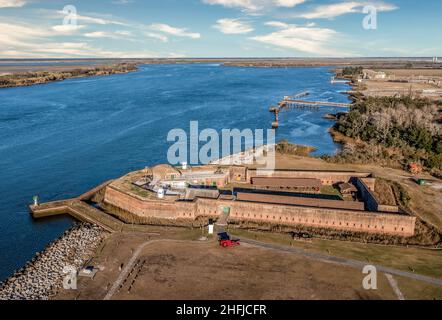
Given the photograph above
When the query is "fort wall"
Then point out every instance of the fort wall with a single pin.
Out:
(365, 189)
(351, 220)
(326, 177)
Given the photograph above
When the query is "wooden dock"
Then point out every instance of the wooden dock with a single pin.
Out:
(334, 80)
(294, 102)
(304, 103)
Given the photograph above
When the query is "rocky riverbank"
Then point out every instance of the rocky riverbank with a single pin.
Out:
(43, 276)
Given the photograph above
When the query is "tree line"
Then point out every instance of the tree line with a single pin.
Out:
(403, 123)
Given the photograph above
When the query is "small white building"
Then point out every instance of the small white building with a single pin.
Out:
(376, 75)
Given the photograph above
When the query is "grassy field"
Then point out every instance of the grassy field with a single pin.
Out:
(413, 72)
(418, 260)
(182, 268)
(203, 270)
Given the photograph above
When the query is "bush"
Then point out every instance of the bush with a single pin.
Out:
(434, 161)
(352, 71)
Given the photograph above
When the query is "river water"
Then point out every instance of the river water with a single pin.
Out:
(60, 139)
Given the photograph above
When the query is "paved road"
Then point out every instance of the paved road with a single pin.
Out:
(343, 261)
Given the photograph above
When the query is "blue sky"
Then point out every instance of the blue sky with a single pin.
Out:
(219, 28)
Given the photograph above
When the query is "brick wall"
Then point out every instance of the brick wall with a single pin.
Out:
(357, 221)
(326, 177)
(365, 190)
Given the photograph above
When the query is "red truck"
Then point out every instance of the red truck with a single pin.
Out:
(225, 240)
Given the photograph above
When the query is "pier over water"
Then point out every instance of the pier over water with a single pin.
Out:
(294, 102)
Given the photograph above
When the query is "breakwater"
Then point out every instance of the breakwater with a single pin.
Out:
(42, 277)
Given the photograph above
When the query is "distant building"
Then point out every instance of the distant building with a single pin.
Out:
(376, 75)
(348, 191)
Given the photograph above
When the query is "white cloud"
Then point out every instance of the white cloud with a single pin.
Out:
(89, 19)
(122, 1)
(12, 3)
(19, 35)
(233, 26)
(337, 9)
(254, 6)
(67, 29)
(116, 35)
(277, 24)
(99, 34)
(157, 36)
(31, 41)
(69, 50)
(288, 3)
(123, 33)
(178, 32)
(310, 40)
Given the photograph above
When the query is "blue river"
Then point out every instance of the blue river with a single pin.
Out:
(61, 139)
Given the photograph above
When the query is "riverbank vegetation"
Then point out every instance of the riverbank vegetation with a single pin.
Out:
(393, 131)
(32, 78)
(285, 147)
(352, 71)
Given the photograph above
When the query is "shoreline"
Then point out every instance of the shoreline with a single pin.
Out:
(52, 73)
(42, 277)
(28, 79)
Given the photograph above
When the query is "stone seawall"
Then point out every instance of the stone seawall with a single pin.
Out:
(338, 219)
(43, 276)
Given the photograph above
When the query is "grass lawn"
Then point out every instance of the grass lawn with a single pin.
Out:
(418, 260)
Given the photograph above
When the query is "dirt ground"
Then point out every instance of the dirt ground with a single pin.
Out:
(413, 72)
(384, 193)
(183, 269)
(202, 270)
(378, 88)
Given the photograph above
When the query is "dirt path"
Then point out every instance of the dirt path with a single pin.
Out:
(394, 286)
(125, 272)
